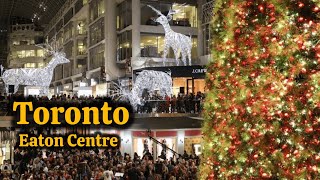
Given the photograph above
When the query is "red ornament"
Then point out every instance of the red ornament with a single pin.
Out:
(300, 19)
(271, 6)
(309, 130)
(211, 176)
(261, 8)
(271, 20)
(300, 4)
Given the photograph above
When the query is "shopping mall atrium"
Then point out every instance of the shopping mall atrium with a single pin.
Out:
(109, 43)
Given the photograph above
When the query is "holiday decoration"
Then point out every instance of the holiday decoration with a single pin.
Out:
(40, 77)
(178, 42)
(147, 80)
(262, 110)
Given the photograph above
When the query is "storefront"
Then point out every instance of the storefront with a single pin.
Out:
(185, 79)
(81, 88)
(177, 140)
(31, 91)
(7, 141)
(67, 89)
(101, 89)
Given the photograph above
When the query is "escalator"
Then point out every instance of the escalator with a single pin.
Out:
(163, 154)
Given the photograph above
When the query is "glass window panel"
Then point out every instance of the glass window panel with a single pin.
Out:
(152, 45)
(81, 47)
(97, 32)
(186, 16)
(30, 53)
(124, 17)
(96, 9)
(124, 50)
(148, 13)
(40, 65)
(97, 57)
(40, 53)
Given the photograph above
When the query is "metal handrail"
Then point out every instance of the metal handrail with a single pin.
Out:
(163, 145)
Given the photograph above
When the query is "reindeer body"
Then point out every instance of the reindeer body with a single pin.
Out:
(40, 77)
(177, 41)
(147, 80)
(152, 80)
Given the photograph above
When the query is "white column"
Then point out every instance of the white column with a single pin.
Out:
(136, 23)
(126, 143)
(110, 33)
(200, 31)
(155, 148)
(180, 139)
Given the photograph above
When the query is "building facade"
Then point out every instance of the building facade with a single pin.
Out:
(109, 40)
(23, 52)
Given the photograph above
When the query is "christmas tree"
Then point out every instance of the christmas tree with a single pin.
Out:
(262, 111)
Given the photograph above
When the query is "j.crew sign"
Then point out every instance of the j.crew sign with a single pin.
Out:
(199, 71)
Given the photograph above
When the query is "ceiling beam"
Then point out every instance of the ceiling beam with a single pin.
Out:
(11, 10)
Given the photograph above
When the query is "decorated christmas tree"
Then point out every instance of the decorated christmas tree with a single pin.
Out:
(262, 111)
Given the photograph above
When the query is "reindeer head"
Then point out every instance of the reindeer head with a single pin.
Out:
(58, 57)
(162, 19)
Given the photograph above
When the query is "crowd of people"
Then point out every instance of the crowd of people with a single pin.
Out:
(73, 164)
(96, 164)
(183, 103)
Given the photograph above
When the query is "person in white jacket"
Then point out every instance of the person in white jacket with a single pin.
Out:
(108, 174)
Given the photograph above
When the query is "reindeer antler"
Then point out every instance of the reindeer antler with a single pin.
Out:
(155, 10)
(170, 13)
(44, 46)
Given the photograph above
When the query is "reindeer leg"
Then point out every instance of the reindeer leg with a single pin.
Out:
(176, 55)
(165, 53)
(46, 91)
(184, 60)
(43, 91)
(189, 57)
(16, 88)
(7, 88)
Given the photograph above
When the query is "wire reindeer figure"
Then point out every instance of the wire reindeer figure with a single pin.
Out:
(147, 80)
(177, 41)
(40, 77)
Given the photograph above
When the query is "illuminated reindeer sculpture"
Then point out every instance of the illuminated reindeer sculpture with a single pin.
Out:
(40, 77)
(146, 80)
(178, 42)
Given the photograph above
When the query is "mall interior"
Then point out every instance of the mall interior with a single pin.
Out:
(107, 42)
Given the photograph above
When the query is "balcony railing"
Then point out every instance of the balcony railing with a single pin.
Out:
(82, 52)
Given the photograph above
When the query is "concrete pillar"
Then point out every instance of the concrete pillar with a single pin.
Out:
(136, 23)
(180, 143)
(75, 45)
(88, 37)
(154, 148)
(126, 143)
(110, 33)
(200, 31)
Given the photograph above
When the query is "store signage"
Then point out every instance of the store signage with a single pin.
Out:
(179, 71)
(199, 71)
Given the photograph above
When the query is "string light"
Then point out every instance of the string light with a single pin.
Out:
(262, 112)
